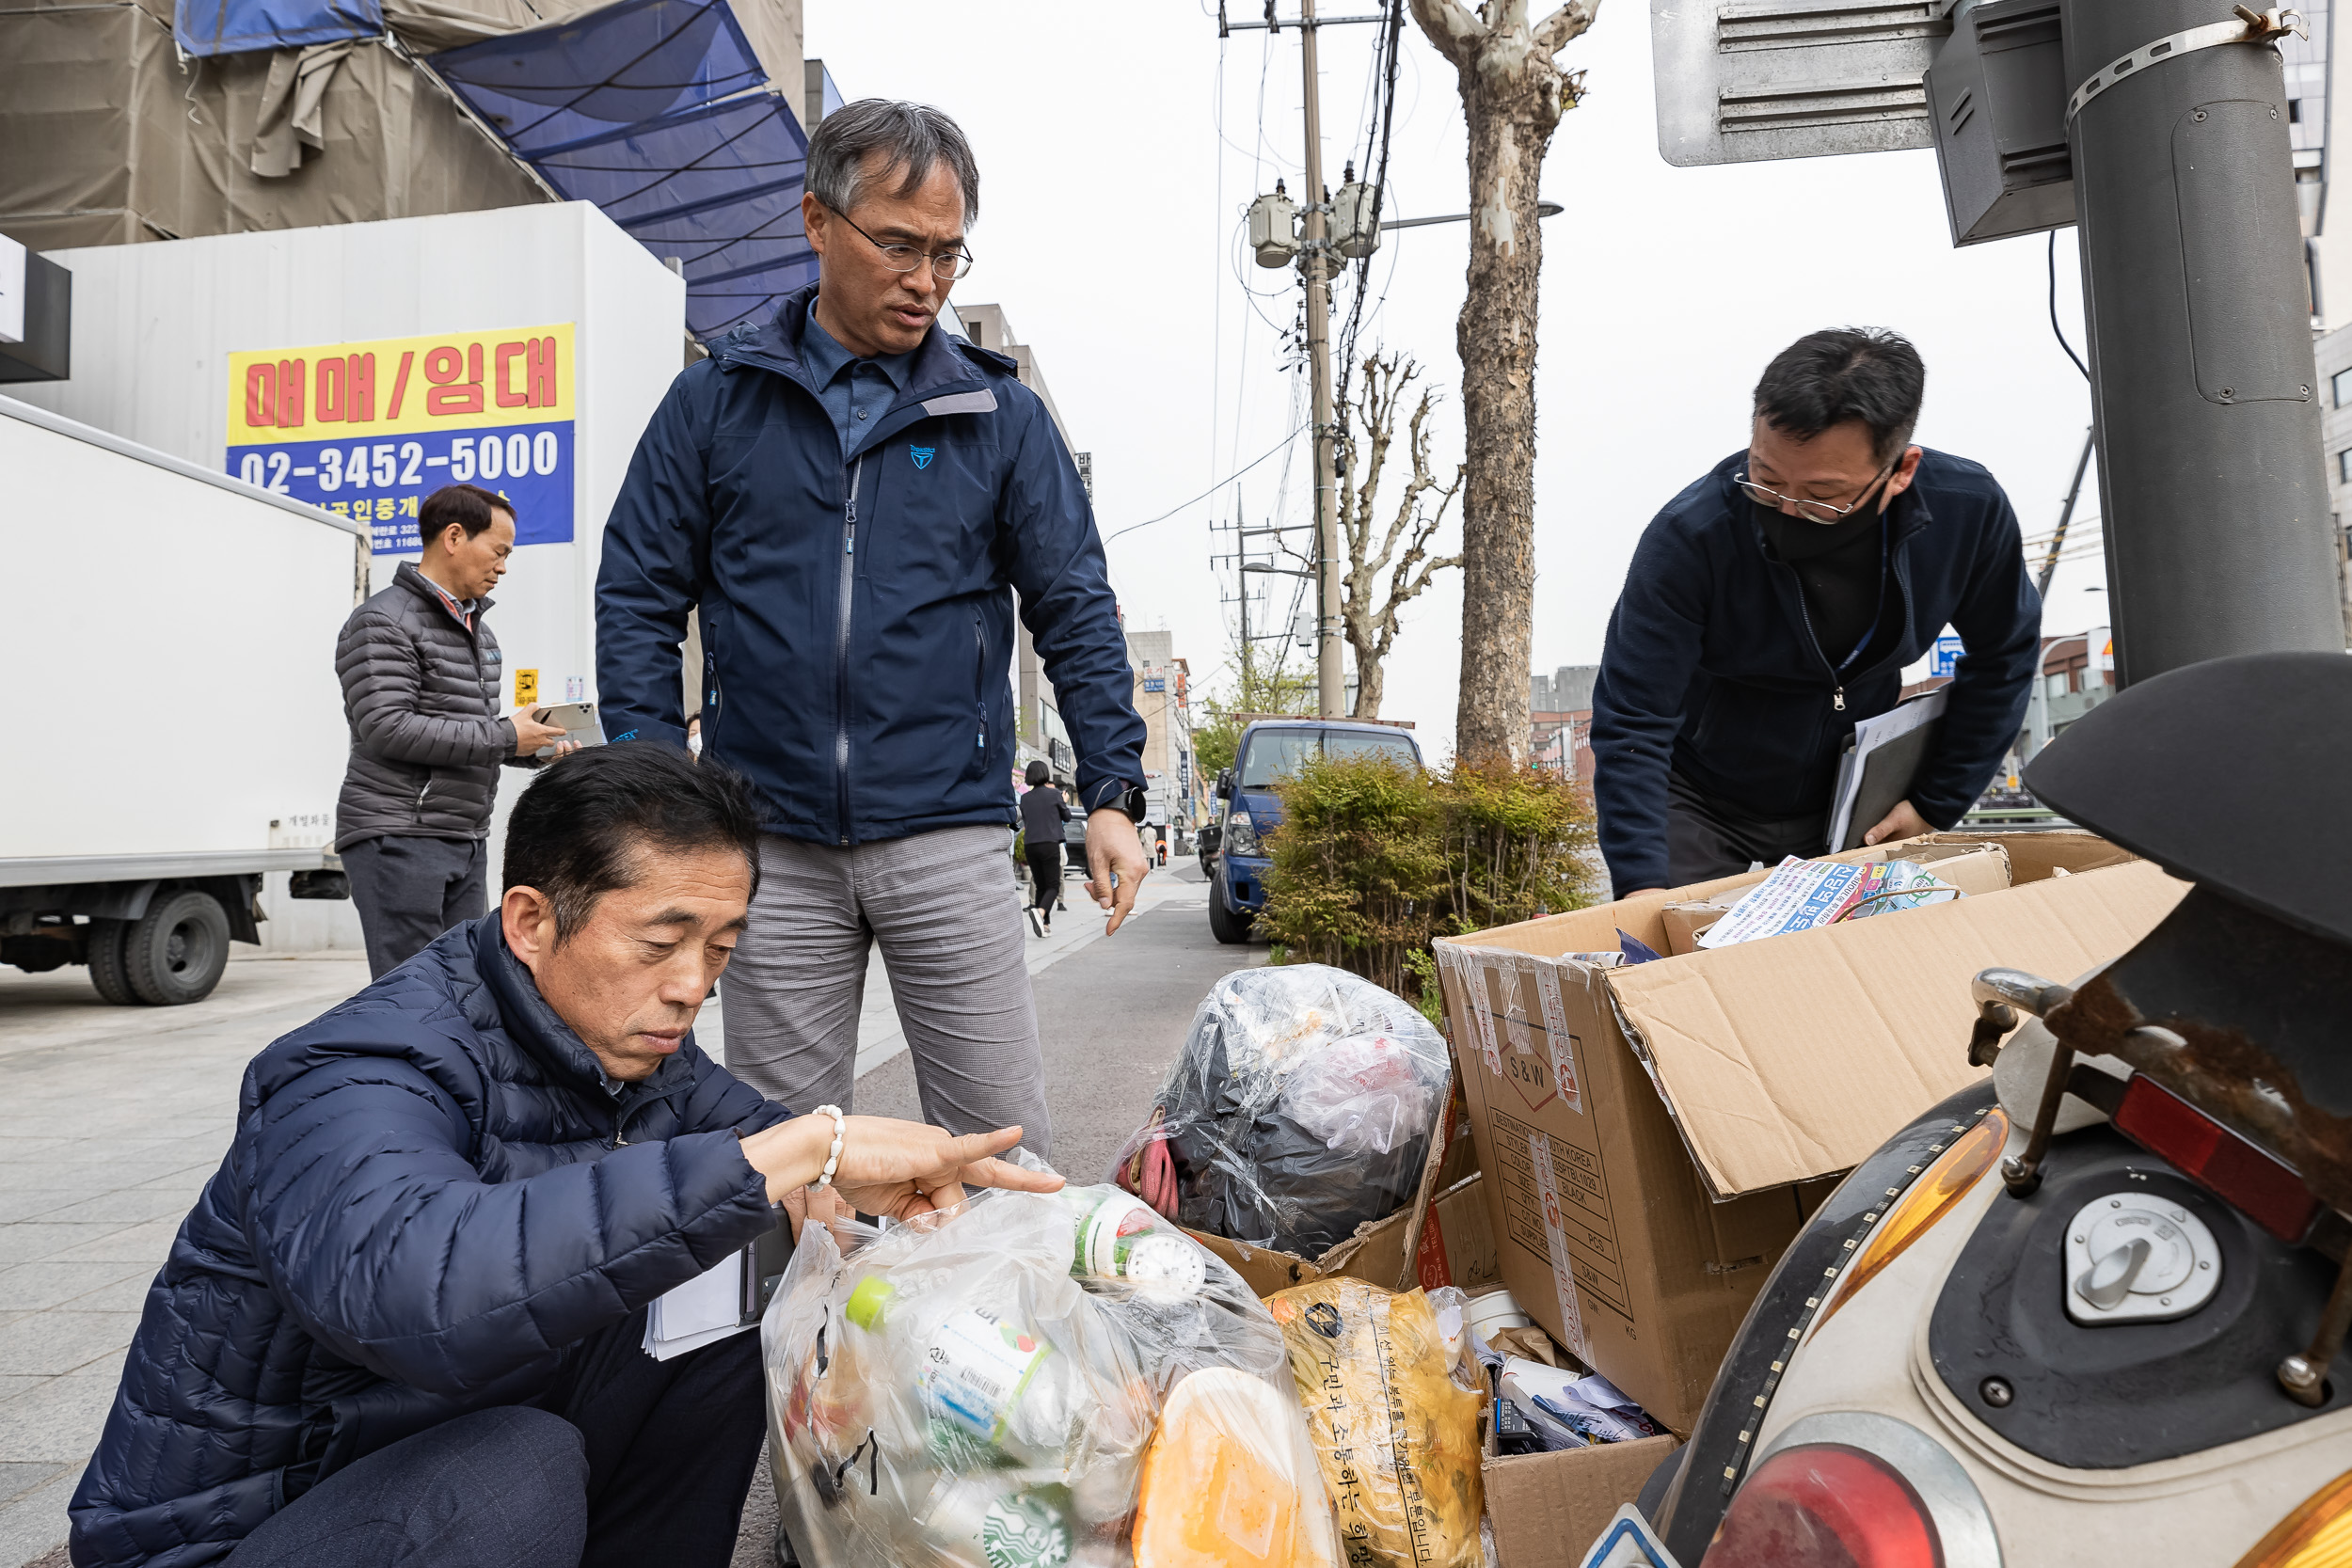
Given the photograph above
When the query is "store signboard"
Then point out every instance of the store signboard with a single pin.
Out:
(368, 429)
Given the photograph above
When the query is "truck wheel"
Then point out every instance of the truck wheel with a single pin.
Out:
(1225, 924)
(106, 974)
(175, 953)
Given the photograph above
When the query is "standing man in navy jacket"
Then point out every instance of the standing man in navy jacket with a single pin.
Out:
(1775, 602)
(852, 497)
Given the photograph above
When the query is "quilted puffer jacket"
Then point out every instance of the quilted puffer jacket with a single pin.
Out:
(420, 693)
(429, 1197)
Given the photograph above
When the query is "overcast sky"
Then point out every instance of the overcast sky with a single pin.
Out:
(1118, 144)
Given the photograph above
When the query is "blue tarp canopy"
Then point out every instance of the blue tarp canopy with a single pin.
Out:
(652, 110)
(235, 27)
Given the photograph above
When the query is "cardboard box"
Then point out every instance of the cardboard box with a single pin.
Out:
(1685, 921)
(1654, 1134)
(1549, 1508)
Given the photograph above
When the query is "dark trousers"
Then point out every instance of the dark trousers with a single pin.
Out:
(411, 890)
(626, 1462)
(1707, 838)
(1045, 870)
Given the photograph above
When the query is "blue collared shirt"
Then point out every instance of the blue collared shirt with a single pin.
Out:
(856, 392)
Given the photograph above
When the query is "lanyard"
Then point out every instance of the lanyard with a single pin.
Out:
(1878, 610)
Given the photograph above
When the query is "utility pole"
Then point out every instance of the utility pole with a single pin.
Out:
(1315, 262)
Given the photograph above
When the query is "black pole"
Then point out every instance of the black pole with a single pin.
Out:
(2204, 392)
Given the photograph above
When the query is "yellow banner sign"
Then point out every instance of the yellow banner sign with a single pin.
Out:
(401, 386)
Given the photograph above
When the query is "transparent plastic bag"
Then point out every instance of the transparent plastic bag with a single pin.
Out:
(1033, 1382)
(1393, 1418)
(1300, 1107)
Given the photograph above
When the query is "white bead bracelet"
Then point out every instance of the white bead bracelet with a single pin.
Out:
(833, 1156)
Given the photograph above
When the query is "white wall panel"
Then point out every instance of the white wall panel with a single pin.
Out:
(154, 325)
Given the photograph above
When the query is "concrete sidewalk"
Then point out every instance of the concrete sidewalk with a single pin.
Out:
(118, 1117)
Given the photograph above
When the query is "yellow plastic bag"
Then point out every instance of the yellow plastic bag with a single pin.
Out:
(1396, 1436)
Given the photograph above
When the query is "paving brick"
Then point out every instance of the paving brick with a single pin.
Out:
(128, 1207)
(19, 1204)
(35, 1524)
(17, 1479)
(29, 1243)
(58, 1421)
(58, 1342)
(127, 1294)
(37, 1287)
(148, 1245)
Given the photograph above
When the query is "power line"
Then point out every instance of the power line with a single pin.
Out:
(1210, 491)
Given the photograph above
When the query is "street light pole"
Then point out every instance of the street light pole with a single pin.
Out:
(1315, 263)
(2204, 390)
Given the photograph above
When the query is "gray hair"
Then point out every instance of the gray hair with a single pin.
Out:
(910, 136)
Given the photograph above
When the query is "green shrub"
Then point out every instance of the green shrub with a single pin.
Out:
(1356, 862)
(1519, 844)
(1374, 859)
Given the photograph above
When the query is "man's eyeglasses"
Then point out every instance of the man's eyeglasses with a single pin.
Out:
(1811, 511)
(946, 266)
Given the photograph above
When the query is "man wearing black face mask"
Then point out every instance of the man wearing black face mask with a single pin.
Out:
(1774, 602)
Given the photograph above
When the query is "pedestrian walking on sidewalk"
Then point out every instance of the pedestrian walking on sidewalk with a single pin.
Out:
(851, 498)
(420, 677)
(1043, 811)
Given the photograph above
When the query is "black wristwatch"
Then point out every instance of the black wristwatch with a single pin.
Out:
(1132, 800)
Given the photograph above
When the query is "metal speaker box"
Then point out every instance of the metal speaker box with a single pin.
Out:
(1997, 95)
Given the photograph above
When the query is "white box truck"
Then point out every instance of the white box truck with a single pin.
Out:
(175, 729)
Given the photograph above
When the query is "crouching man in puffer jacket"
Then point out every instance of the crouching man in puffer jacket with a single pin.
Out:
(403, 1322)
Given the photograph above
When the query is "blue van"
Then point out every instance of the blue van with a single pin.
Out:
(1270, 750)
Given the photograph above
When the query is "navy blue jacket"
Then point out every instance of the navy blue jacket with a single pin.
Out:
(1711, 670)
(857, 615)
(430, 1195)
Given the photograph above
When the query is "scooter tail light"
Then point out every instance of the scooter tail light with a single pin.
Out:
(1961, 1164)
(2318, 1534)
(2258, 1186)
(1824, 1505)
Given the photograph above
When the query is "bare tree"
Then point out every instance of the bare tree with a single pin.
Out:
(1368, 605)
(1512, 95)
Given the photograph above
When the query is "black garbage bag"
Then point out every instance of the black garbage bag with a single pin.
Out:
(1300, 1106)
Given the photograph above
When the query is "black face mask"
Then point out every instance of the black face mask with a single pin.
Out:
(1795, 539)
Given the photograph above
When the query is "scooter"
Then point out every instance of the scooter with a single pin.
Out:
(2092, 1311)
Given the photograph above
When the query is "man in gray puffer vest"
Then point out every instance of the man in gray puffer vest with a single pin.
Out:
(420, 677)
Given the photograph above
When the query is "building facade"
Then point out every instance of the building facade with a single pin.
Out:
(1040, 730)
(2334, 354)
(1559, 721)
(1163, 695)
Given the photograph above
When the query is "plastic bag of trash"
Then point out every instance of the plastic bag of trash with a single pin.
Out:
(1033, 1382)
(1300, 1107)
(1392, 1421)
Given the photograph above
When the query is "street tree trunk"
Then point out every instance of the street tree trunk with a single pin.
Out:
(1512, 94)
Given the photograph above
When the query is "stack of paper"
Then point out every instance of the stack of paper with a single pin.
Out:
(702, 1311)
(1878, 768)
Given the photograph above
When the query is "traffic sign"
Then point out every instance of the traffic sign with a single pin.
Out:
(1742, 81)
(1945, 656)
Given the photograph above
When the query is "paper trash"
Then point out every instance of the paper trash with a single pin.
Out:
(1801, 894)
